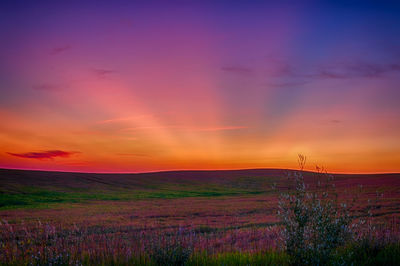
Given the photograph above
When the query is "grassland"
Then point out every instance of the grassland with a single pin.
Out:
(39, 189)
(35, 189)
(224, 217)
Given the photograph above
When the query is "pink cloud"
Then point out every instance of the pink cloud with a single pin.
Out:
(121, 119)
(43, 154)
(47, 87)
(237, 70)
(103, 73)
(220, 128)
(190, 128)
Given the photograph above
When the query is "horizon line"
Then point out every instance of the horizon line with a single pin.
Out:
(199, 170)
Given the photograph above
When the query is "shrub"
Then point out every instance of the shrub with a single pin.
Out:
(314, 223)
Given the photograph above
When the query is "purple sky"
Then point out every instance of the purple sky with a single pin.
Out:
(144, 85)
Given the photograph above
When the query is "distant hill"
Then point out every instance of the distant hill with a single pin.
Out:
(27, 188)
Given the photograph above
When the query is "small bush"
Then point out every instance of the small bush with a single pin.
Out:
(315, 224)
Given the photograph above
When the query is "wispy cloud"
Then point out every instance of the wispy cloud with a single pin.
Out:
(149, 127)
(43, 155)
(188, 128)
(300, 76)
(287, 84)
(47, 87)
(103, 73)
(295, 76)
(219, 128)
(122, 119)
(60, 49)
(134, 154)
(355, 70)
(237, 70)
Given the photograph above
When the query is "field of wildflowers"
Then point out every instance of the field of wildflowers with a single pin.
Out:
(346, 220)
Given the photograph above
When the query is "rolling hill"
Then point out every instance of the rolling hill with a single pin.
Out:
(31, 189)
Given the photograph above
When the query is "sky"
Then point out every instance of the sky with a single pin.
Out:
(133, 86)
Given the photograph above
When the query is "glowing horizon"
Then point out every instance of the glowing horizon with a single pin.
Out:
(129, 87)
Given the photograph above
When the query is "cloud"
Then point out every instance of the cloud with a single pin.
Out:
(344, 70)
(150, 127)
(374, 70)
(60, 49)
(114, 120)
(288, 84)
(47, 87)
(122, 119)
(283, 70)
(134, 154)
(103, 73)
(189, 128)
(237, 70)
(335, 121)
(43, 155)
(220, 128)
(355, 70)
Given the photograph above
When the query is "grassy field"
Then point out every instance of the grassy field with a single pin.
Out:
(38, 189)
(35, 189)
(222, 217)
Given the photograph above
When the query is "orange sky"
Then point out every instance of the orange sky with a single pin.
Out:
(204, 87)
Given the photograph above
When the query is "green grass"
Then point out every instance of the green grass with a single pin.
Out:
(240, 258)
(39, 189)
(368, 252)
(35, 189)
(199, 259)
(36, 197)
(351, 255)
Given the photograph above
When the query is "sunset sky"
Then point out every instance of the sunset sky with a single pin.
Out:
(131, 86)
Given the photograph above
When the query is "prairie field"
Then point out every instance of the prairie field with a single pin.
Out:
(91, 219)
(167, 132)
